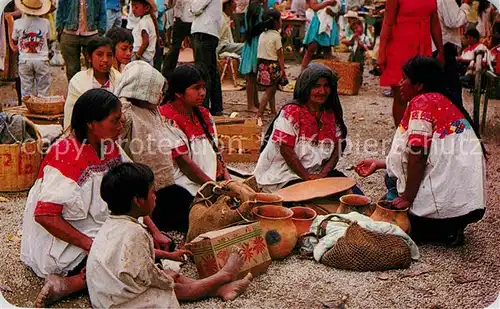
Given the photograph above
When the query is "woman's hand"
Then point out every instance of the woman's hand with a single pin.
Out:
(400, 203)
(177, 255)
(440, 57)
(366, 167)
(161, 241)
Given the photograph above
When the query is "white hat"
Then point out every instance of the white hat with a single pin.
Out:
(351, 14)
(33, 7)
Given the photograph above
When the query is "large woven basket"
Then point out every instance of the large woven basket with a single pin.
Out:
(44, 105)
(349, 74)
(20, 164)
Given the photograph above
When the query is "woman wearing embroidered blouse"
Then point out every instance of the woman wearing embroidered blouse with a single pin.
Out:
(191, 131)
(436, 164)
(306, 139)
(64, 210)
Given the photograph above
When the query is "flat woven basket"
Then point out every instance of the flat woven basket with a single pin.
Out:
(349, 74)
(20, 163)
(363, 250)
(44, 105)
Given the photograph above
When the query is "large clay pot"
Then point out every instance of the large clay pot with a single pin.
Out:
(397, 217)
(277, 228)
(302, 218)
(357, 203)
(268, 198)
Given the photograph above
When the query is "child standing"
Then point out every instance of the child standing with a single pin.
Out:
(358, 43)
(146, 31)
(101, 74)
(271, 63)
(123, 44)
(31, 34)
(248, 63)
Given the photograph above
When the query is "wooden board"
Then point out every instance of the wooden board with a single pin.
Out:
(312, 189)
(239, 139)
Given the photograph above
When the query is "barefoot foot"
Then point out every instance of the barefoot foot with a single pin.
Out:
(233, 264)
(57, 287)
(230, 291)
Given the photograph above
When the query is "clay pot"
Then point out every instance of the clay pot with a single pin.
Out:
(302, 218)
(268, 198)
(357, 203)
(277, 228)
(397, 217)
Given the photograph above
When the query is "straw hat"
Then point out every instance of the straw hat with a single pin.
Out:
(33, 7)
(351, 14)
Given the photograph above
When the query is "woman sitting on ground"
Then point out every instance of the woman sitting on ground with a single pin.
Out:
(191, 132)
(306, 140)
(64, 210)
(101, 74)
(436, 165)
(145, 138)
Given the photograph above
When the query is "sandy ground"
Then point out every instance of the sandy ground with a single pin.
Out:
(466, 277)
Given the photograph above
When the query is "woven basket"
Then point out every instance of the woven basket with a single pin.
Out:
(44, 105)
(20, 164)
(349, 74)
(363, 250)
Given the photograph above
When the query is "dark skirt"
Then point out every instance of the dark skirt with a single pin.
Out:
(172, 209)
(269, 73)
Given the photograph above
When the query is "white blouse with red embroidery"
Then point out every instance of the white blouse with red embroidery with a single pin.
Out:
(313, 144)
(188, 138)
(68, 185)
(455, 175)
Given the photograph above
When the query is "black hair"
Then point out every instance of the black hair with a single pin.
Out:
(93, 105)
(118, 35)
(226, 4)
(183, 77)
(253, 27)
(97, 42)
(269, 19)
(482, 7)
(122, 183)
(142, 2)
(473, 33)
(429, 73)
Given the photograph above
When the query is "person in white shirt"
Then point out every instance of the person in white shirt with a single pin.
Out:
(145, 32)
(452, 18)
(181, 30)
(226, 40)
(205, 31)
(31, 33)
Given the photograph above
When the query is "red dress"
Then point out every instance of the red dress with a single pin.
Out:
(411, 36)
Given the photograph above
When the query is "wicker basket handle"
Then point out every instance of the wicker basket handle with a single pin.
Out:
(321, 231)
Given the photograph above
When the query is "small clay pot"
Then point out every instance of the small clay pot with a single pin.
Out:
(302, 218)
(268, 198)
(277, 228)
(357, 203)
(399, 217)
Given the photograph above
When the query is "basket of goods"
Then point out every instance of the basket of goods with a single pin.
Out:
(51, 105)
(20, 153)
(349, 74)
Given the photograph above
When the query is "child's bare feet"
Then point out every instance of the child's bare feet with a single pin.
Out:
(233, 264)
(52, 291)
(230, 291)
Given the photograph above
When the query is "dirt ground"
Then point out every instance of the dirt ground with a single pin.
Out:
(465, 277)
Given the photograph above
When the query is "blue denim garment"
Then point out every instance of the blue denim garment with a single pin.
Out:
(68, 13)
(113, 5)
(392, 190)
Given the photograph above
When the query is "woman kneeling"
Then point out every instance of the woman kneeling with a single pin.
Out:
(436, 165)
(307, 137)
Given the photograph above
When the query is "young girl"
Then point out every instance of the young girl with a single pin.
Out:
(146, 31)
(313, 38)
(248, 63)
(271, 63)
(358, 43)
(123, 43)
(192, 138)
(101, 74)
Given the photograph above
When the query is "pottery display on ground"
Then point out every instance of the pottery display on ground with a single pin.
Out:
(302, 218)
(268, 198)
(277, 228)
(384, 212)
(355, 202)
(312, 189)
